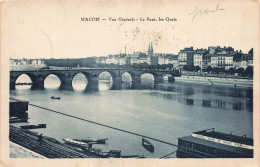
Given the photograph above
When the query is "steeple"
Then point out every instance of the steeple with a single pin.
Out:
(150, 49)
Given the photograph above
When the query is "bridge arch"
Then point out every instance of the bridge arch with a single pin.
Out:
(52, 80)
(23, 81)
(106, 76)
(127, 77)
(79, 81)
(14, 78)
(169, 77)
(106, 80)
(91, 80)
(147, 77)
(59, 75)
(31, 76)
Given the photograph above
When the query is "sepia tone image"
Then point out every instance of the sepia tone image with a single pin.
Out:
(130, 80)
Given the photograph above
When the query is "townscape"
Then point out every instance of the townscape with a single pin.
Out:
(214, 59)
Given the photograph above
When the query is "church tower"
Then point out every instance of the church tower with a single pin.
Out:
(150, 49)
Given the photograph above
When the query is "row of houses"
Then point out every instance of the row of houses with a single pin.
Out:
(225, 57)
(25, 62)
(219, 57)
(140, 57)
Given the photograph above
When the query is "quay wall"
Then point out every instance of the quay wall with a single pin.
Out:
(237, 82)
(17, 151)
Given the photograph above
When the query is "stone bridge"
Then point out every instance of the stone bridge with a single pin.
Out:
(66, 76)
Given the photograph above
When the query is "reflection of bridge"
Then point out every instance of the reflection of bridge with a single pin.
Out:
(66, 76)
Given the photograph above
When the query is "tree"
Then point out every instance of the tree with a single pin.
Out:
(197, 68)
(185, 68)
(249, 71)
(240, 71)
(208, 69)
(169, 66)
(231, 71)
(191, 68)
(216, 70)
(188, 68)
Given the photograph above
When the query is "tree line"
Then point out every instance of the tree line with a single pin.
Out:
(91, 63)
(232, 71)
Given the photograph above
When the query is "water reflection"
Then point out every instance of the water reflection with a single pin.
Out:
(199, 100)
(79, 82)
(206, 103)
(189, 101)
(238, 106)
(52, 82)
(126, 85)
(105, 81)
(104, 85)
(126, 77)
(21, 80)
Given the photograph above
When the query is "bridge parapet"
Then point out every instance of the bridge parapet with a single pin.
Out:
(66, 76)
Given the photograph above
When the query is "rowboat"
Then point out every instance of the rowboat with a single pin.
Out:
(33, 126)
(52, 97)
(101, 154)
(16, 119)
(93, 141)
(75, 143)
(147, 145)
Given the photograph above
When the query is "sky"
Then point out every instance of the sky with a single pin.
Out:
(53, 29)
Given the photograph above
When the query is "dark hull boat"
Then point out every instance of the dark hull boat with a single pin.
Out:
(52, 97)
(98, 141)
(131, 156)
(33, 126)
(147, 145)
(99, 153)
(16, 119)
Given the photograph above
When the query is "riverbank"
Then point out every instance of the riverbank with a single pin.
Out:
(17, 151)
(210, 80)
(32, 148)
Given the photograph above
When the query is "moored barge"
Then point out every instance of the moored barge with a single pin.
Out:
(212, 144)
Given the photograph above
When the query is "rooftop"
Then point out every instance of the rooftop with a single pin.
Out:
(224, 136)
(187, 49)
(210, 55)
(238, 150)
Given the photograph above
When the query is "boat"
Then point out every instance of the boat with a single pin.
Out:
(52, 97)
(147, 145)
(215, 145)
(101, 154)
(33, 126)
(95, 151)
(75, 143)
(115, 153)
(132, 156)
(93, 141)
(17, 119)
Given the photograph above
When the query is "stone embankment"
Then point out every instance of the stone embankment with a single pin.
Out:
(48, 147)
(225, 81)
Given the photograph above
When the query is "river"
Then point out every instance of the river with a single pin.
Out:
(166, 111)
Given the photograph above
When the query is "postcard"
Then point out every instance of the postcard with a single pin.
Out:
(129, 83)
